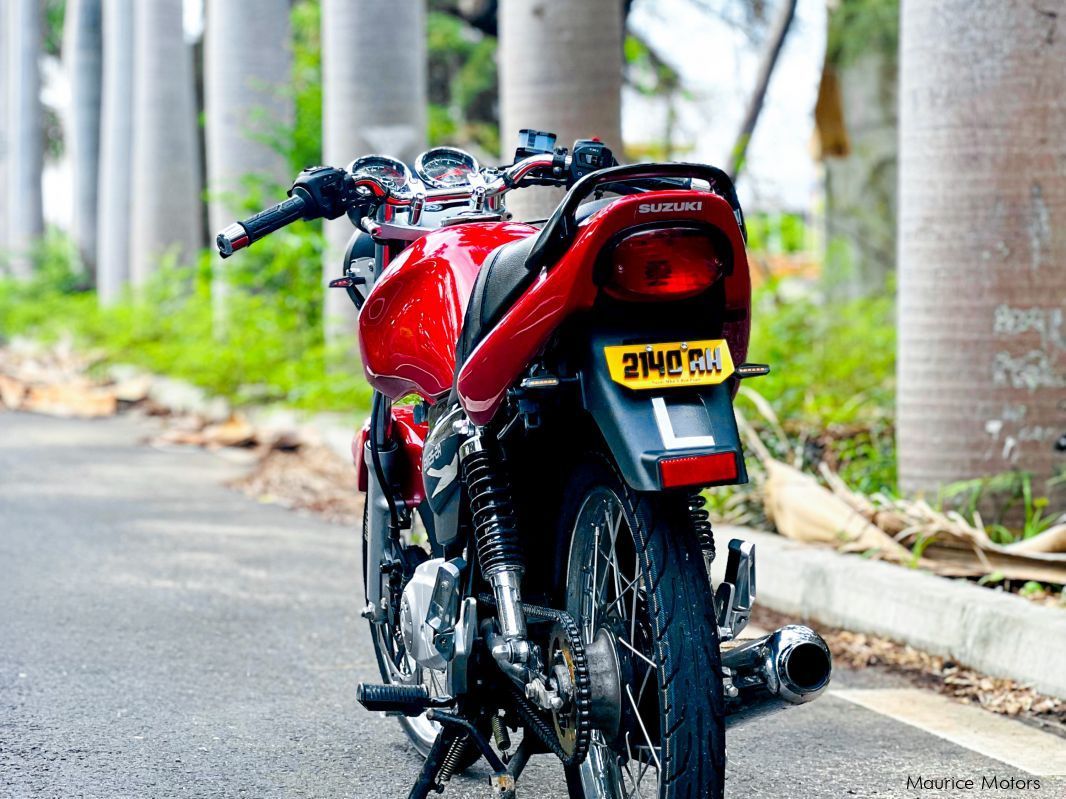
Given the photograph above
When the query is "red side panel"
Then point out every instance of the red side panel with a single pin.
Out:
(411, 437)
(411, 321)
(567, 287)
(358, 452)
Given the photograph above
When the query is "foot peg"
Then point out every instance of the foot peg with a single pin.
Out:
(736, 594)
(405, 700)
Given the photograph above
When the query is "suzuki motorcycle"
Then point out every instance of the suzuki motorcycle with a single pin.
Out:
(550, 399)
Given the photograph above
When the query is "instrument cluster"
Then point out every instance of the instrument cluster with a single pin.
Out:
(438, 168)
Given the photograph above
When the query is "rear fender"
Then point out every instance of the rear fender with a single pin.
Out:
(642, 428)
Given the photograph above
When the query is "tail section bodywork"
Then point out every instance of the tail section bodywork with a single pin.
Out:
(570, 287)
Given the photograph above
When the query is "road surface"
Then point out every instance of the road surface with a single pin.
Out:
(162, 635)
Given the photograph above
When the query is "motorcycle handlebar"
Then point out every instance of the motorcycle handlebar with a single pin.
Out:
(328, 192)
(240, 234)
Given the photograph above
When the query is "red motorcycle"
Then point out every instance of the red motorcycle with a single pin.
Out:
(549, 402)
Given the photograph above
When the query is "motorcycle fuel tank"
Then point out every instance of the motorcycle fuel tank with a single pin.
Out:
(410, 323)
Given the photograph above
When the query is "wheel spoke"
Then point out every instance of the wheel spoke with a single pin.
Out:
(643, 729)
(638, 653)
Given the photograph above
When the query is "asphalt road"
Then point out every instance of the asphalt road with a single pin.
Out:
(162, 635)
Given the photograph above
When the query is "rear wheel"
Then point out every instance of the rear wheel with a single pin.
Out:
(637, 586)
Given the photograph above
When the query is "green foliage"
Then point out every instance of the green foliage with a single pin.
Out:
(273, 351)
(829, 365)
(857, 27)
(462, 84)
(1008, 496)
(777, 232)
(54, 12)
(304, 147)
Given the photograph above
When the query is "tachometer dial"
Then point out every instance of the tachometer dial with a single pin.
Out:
(393, 174)
(444, 167)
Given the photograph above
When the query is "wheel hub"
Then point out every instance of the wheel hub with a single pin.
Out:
(606, 680)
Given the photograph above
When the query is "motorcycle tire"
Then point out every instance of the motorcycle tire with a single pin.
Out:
(633, 568)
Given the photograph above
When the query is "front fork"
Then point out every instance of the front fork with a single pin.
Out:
(380, 454)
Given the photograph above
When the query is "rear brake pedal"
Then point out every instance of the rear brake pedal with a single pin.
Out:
(406, 700)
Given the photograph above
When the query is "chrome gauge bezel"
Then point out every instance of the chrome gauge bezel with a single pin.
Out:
(426, 157)
(402, 191)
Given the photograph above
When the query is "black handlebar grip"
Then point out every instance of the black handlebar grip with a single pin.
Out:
(240, 234)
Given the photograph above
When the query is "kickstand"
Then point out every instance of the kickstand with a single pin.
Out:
(503, 781)
(427, 777)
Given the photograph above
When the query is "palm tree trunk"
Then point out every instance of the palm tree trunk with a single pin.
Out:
(116, 140)
(165, 216)
(374, 101)
(561, 71)
(24, 125)
(982, 244)
(82, 55)
(247, 71)
(3, 133)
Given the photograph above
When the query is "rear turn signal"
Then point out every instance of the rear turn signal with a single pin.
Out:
(663, 264)
(692, 470)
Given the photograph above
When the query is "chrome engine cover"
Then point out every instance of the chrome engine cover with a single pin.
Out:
(415, 606)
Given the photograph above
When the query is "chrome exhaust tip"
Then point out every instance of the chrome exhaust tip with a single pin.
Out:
(790, 666)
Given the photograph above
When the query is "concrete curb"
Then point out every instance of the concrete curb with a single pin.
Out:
(994, 632)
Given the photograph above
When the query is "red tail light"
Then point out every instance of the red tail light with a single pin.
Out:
(663, 264)
(714, 469)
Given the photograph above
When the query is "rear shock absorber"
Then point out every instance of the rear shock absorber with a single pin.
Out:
(498, 549)
(701, 524)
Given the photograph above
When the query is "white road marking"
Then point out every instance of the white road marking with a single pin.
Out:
(1039, 753)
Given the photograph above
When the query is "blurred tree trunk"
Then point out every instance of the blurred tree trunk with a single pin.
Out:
(3, 134)
(165, 216)
(25, 133)
(248, 110)
(982, 253)
(774, 44)
(861, 183)
(82, 56)
(374, 101)
(116, 141)
(561, 71)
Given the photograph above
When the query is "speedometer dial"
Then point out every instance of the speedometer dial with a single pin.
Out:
(444, 167)
(392, 174)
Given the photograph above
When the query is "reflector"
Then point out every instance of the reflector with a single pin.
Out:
(702, 470)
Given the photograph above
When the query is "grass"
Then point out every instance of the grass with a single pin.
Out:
(273, 352)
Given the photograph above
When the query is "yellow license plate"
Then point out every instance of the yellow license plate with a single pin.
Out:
(673, 365)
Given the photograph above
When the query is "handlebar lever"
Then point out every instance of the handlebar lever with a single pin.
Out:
(319, 192)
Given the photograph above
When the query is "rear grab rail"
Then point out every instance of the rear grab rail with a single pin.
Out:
(561, 228)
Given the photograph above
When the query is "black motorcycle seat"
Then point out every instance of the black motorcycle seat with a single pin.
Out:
(501, 282)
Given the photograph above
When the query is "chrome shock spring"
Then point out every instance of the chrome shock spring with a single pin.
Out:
(498, 549)
(701, 524)
(492, 511)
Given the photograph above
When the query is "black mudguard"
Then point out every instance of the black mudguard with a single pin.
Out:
(643, 427)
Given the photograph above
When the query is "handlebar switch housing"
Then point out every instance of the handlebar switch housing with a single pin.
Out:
(589, 155)
(328, 191)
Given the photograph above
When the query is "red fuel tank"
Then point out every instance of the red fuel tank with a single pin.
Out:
(410, 323)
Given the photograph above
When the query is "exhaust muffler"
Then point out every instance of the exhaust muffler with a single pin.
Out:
(790, 666)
